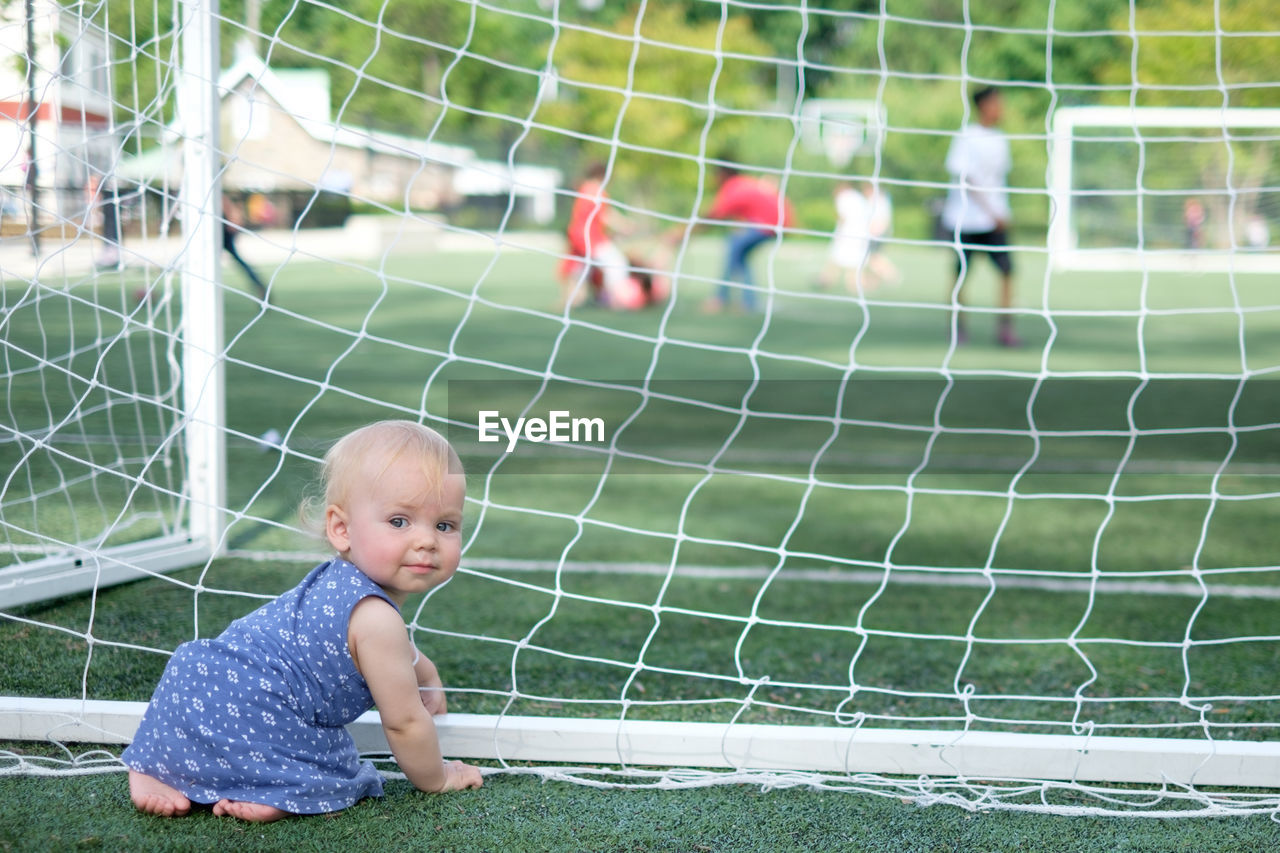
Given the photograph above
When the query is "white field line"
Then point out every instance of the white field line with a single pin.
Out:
(870, 463)
(836, 574)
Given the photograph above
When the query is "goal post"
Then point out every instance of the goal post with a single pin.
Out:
(196, 419)
(1129, 188)
(203, 333)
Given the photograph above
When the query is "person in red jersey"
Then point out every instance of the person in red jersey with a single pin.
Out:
(591, 244)
(757, 211)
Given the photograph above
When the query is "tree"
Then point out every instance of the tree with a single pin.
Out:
(807, 35)
(141, 40)
(398, 66)
(1190, 53)
(668, 92)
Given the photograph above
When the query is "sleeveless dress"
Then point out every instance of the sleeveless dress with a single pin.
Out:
(257, 713)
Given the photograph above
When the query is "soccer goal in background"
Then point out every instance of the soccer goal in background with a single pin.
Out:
(1164, 188)
(819, 544)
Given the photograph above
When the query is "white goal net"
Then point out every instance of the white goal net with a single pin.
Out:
(792, 488)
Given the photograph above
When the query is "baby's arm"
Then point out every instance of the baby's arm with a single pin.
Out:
(432, 697)
(384, 656)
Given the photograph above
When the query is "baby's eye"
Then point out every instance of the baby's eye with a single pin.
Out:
(399, 522)
(446, 526)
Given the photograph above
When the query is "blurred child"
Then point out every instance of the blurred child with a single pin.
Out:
(590, 235)
(1193, 217)
(850, 242)
(252, 721)
(879, 227)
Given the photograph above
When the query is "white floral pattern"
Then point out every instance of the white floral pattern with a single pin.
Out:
(286, 668)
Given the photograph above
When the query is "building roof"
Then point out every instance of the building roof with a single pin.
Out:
(303, 94)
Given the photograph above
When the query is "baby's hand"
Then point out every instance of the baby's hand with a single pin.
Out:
(433, 700)
(460, 776)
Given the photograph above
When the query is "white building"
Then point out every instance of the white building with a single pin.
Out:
(276, 129)
(71, 123)
(279, 139)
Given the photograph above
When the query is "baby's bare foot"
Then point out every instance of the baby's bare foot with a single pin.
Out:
(152, 796)
(252, 812)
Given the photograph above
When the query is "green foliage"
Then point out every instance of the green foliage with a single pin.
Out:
(1199, 54)
(808, 38)
(676, 83)
(142, 45)
(678, 93)
(397, 66)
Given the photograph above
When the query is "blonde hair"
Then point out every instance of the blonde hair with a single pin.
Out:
(387, 442)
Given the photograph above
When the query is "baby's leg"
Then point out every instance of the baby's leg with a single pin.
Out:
(252, 812)
(152, 796)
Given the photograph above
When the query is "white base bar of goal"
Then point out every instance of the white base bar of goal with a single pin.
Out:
(561, 741)
(95, 567)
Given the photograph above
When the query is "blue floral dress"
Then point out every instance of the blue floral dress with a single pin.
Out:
(257, 714)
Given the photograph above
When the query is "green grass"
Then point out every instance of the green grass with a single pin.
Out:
(522, 814)
(348, 345)
(696, 656)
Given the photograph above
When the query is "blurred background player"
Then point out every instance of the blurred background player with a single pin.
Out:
(104, 200)
(879, 227)
(617, 280)
(864, 216)
(232, 224)
(1193, 217)
(591, 224)
(760, 212)
(850, 242)
(976, 213)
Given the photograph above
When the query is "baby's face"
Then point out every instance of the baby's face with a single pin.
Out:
(402, 529)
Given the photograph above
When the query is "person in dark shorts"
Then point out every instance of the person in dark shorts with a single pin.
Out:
(975, 216)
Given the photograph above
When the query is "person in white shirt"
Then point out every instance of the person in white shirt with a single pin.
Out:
(976, 213)
(879, 227)
(864, 217)
(849, 242)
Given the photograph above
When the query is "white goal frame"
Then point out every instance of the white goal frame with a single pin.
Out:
(752, 752)
(842, 129)
(202, 423)
(967, 753)
(1065, 254)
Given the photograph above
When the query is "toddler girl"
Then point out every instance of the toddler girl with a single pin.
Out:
(252, 721)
